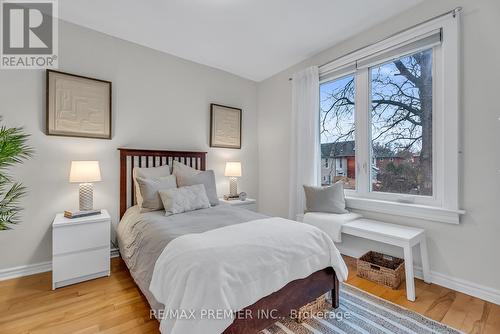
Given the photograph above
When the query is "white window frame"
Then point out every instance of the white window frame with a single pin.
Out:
(443, 205)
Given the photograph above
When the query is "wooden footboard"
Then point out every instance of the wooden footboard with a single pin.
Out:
(281, 303)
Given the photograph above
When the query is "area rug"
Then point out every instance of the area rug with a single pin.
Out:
(362, 313)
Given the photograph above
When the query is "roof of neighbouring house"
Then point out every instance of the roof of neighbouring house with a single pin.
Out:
(338, 149)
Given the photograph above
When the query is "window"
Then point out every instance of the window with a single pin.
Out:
(337, 125)
(401, 125)
(389, 122)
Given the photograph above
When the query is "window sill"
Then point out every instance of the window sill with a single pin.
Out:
(405, 210)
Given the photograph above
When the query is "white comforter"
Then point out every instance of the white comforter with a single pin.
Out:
(201, 278)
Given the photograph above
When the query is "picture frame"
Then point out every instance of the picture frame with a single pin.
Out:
(225, 126)
(78, 106)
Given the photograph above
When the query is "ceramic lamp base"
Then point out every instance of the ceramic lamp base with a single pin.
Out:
(86, 196)
(233, 186)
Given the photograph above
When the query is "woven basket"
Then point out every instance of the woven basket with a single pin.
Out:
(309, 310)
(382, 269)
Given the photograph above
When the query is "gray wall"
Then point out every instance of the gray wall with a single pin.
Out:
(159, 101)
(468, 251)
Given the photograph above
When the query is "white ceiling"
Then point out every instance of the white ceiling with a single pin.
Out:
(250, 38)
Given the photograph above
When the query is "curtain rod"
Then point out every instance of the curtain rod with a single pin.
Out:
(454, 12)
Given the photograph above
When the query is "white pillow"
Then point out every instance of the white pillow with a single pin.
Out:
(147, 173)
(178, 200)
(149, 188)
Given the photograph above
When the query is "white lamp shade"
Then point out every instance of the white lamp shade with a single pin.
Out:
(84, 172)
(233, 169)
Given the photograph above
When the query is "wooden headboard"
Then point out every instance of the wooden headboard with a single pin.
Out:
(130, 158)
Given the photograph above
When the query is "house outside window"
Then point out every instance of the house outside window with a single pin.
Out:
(337, 128)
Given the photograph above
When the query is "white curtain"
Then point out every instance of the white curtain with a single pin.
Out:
(305, 147)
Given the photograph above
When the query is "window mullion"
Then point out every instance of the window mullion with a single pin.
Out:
(362, 132)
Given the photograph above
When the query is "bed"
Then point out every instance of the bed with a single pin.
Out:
(143, 238)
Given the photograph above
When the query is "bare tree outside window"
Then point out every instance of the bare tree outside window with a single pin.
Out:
(401, 125)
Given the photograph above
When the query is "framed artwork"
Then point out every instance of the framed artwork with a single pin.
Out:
(225, 126)
(77, 106)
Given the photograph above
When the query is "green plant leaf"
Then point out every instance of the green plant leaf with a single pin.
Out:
(13, 150)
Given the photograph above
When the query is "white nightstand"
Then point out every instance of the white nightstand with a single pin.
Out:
(249, 203)
(80, 248)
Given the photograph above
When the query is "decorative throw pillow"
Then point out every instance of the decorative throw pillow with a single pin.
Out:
(149, 188)
(147, 173)
(181, 171)
(178, 200)
(206, 178)
(187, 176)
(325, 199)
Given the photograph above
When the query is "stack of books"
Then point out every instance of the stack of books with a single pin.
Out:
(231, 198)
(79, 214)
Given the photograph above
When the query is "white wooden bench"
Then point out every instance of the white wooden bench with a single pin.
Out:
(397, 235)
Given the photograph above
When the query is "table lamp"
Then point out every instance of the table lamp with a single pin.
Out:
(85, 172)
(233, 170)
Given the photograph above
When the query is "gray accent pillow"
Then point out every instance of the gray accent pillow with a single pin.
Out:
(207, 178)
(178, 200)
(149, 188)
(147, 173)
(181, 170)
(325, 199)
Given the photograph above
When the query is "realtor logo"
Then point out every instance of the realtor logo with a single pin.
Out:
(29, 34)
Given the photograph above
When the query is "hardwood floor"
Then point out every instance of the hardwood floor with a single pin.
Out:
(115, 305)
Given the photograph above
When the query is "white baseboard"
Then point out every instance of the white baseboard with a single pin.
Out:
(355, 253)
(36, 268)
(469, 288)
(457, 284)
(29, 269)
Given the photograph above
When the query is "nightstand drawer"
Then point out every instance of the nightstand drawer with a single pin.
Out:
(78, 265)
(73, 238)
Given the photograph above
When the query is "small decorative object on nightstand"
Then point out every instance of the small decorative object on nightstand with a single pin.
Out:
(233, 170)
(85, 172)
(242, 196)
(80, 248)
(249, 203)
